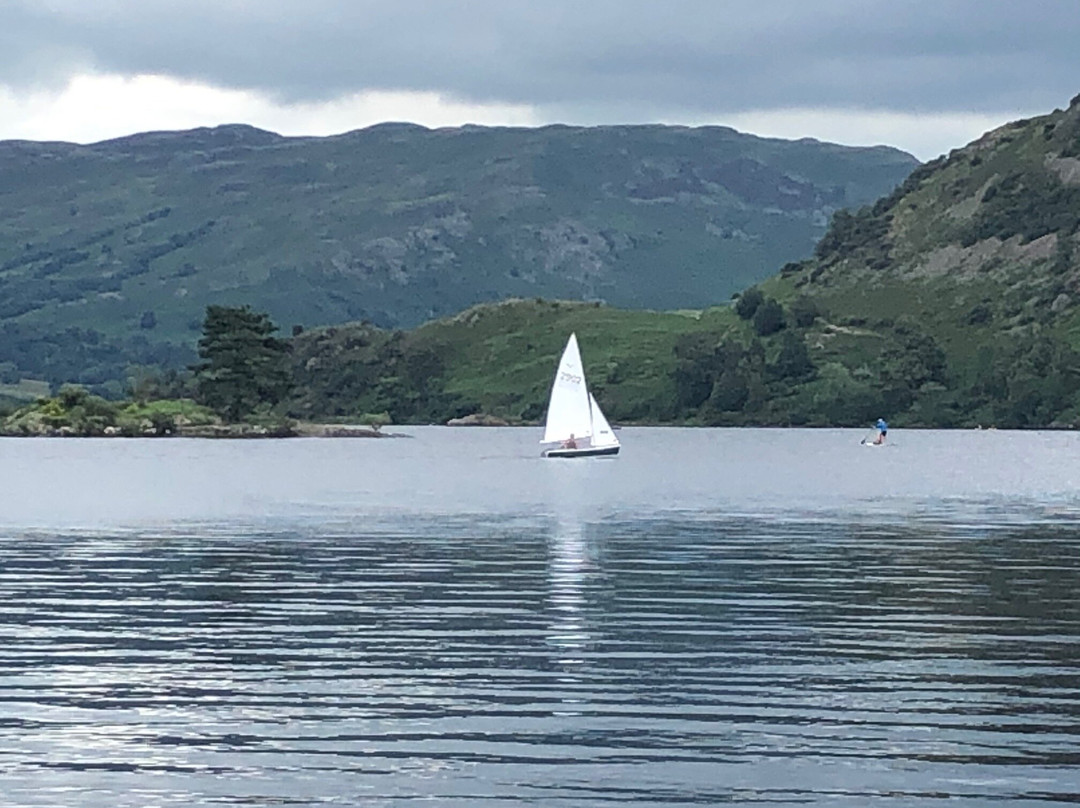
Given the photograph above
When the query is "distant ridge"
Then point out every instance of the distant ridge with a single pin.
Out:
(110, 252)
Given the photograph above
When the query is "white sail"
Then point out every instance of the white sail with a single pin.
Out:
(602, 435)
(568, 408)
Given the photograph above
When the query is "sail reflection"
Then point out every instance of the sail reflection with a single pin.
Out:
(569, 631)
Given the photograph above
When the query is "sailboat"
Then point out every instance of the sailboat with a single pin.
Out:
(576, 426)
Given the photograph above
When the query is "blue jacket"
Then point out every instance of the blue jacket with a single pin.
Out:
(881, 425)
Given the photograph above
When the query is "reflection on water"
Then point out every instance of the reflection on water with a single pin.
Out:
(555, 661)
(569, 627)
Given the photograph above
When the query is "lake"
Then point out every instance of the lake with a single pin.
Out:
(717, 616)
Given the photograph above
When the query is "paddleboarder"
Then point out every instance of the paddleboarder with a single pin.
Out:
(882, 429)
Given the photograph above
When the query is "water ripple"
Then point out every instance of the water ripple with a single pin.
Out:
(540, 661)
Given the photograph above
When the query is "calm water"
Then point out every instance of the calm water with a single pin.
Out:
(765, 617)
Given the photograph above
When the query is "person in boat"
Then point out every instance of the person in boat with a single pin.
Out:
(570, 443)
(882, 428)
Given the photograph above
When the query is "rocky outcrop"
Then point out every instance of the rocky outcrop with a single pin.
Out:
(238, 431)
(478, 419)
(341, 431)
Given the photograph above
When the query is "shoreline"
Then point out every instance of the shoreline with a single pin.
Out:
(221, 432)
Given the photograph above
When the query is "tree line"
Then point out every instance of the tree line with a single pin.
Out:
(764, 373)
(1019, 380)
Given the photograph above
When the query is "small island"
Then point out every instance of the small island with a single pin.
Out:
(237, 391)
(76, 413)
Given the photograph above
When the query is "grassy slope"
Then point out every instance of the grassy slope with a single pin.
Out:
(500, 358)
(505, 355)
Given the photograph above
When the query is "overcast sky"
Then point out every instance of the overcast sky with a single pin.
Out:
(924, 75)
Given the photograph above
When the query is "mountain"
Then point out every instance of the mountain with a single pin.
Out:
(977, 254)
(953, 301)
(110, 252)
(990, 228)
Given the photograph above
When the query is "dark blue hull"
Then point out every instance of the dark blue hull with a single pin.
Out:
(606, 450)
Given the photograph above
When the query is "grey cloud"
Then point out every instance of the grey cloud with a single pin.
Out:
(670, 58)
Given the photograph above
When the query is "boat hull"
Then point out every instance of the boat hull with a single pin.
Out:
(600, 452)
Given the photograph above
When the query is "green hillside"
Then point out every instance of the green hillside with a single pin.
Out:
(496, 359)
(110, 253)
(991, 227)
(953, 301)
(695, 366)
(979, 252)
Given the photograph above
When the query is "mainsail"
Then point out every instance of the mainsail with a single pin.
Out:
(569, 412)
